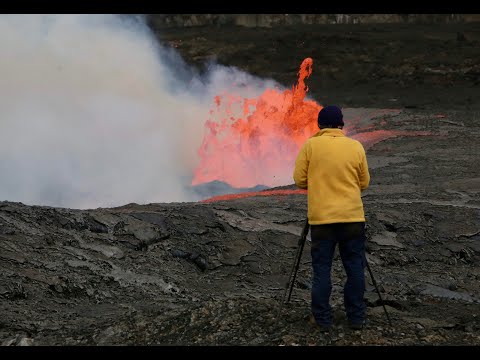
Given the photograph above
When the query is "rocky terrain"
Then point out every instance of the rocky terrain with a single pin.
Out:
(215, 273)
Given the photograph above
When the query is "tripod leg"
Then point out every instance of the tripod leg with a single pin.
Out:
(378, 292)
(296, 265)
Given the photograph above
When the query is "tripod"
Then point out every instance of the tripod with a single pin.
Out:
(296, 265)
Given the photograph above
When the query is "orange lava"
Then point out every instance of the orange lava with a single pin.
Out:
(255, 141)
(255, 193)
(251, 142)
(370, 138)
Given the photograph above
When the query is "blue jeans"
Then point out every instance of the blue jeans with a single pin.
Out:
(351, 243)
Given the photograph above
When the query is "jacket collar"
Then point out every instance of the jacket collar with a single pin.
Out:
(330, 132)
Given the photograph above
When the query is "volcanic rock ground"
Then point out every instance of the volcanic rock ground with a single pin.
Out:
(215, 273)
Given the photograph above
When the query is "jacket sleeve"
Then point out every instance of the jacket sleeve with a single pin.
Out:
(301, 168)
(364, 173)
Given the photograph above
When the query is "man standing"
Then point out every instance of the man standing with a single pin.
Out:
(334, 169)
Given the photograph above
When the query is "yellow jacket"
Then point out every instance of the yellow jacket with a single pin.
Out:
(334, 169)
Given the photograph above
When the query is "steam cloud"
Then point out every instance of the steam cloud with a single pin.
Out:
(94, 112)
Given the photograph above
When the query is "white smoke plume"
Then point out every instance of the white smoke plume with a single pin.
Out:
(94, 112)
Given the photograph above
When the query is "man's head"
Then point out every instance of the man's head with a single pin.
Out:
(330, 117)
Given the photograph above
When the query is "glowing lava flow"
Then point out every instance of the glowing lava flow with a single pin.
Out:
(255, 193)
(259, 145)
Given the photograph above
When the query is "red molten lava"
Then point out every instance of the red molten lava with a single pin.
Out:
(255, 193)
(251, 142)
(370, 138)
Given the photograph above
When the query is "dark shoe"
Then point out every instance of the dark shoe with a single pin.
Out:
(356, 326)
(323, 328)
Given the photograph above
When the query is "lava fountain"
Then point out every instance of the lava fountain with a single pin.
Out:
(251, 142)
